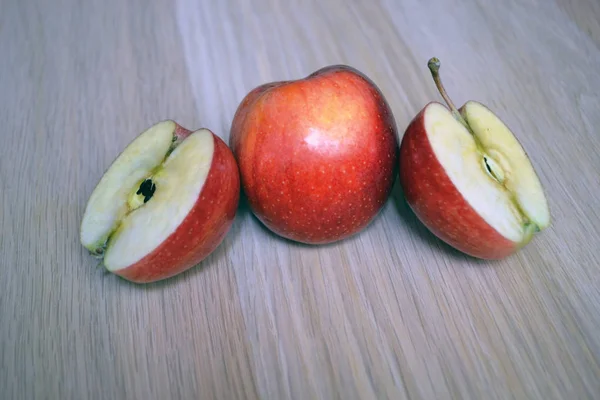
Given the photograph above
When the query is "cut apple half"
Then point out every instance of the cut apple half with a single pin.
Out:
(145, 194)
(468, 179)
(490, 169)
(164, 204)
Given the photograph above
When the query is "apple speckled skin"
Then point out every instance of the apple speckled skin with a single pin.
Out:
(202, 230)
(438, 204)
(317, 156)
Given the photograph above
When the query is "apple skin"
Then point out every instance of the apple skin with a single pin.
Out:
(438, 204)
(317, 155)
(181, 132)
(203, 229)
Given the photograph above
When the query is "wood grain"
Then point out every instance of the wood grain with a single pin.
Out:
(390, 313)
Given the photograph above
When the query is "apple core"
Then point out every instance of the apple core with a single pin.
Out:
(493, 169)
(143, 194)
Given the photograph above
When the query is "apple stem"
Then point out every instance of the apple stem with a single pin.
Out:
(434, 66)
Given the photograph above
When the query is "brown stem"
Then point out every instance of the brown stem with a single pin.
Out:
(434, 67)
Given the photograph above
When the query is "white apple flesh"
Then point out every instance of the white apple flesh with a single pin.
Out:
(164, 204)
(468, 179)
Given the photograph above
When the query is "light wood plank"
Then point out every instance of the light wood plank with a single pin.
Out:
(390, 313)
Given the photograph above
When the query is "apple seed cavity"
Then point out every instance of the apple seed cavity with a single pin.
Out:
(493, 169)
(143, 194)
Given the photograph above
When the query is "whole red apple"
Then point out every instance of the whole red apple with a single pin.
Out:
(317, 155)
(468, 179)
(164, 204)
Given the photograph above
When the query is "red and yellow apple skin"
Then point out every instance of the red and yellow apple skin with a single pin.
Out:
(181, 133)
(204, 227)
(438, 204)
(318, 155)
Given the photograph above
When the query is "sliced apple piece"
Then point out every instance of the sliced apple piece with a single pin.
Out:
(164, 204)
(468, 179)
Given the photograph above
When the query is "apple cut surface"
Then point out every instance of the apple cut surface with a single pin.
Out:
(520, 178)
(515, 205)
(133, 228)
(108, 203)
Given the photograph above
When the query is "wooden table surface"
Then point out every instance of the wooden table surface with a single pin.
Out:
(391, 313)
